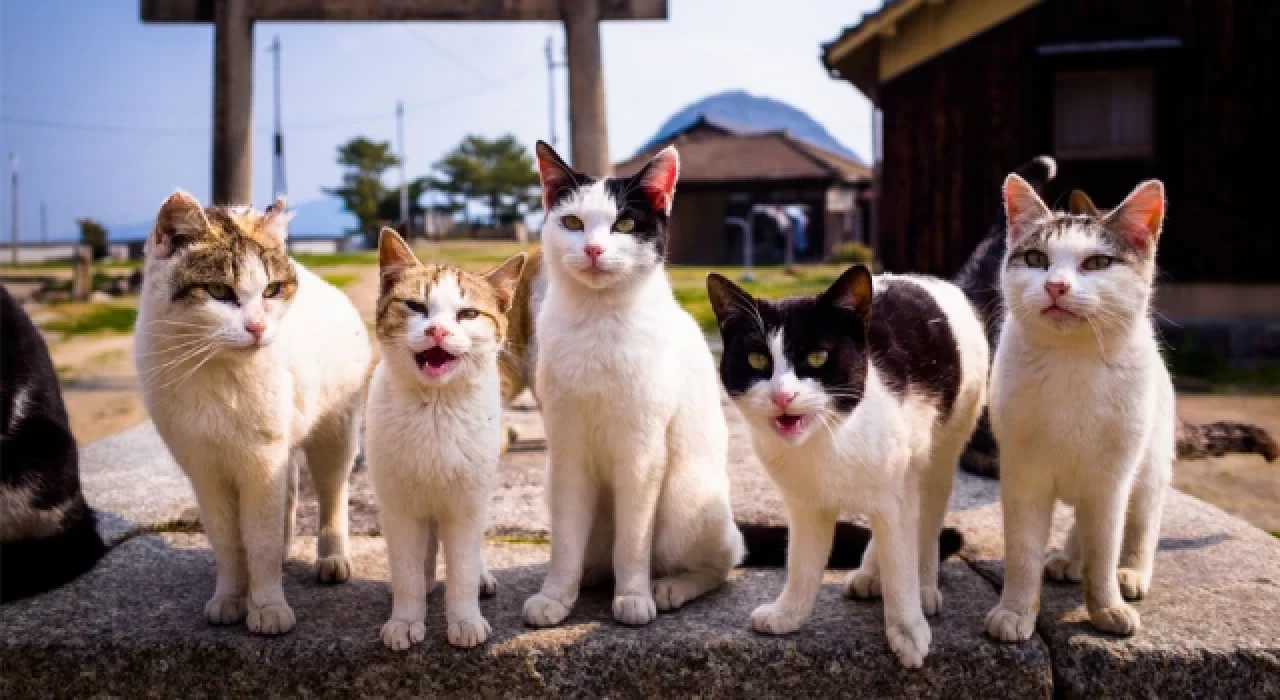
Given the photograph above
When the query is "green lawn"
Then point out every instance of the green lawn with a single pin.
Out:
(690, 285)
(339, 279)
(471, 255)
(82, 319)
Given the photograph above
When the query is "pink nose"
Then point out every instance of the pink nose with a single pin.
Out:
(439, 333)
(1056, 289)
(593, 251)
(255, 328)
(782, 399)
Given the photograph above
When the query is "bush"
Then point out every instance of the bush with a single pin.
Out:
(853, 252)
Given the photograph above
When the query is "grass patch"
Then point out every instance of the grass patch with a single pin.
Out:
(361, 257)
(690, 285)
(83, 319)
(339, 279)
(1275, 533)
(520, 539)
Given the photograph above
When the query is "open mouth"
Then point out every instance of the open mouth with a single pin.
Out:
(435, 361)
(1057, 313)
(788, 425)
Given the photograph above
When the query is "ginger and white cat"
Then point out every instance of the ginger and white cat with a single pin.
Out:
(639, 484)
(249, 365)
(859, 400)
(435, 433)
(1081, 405)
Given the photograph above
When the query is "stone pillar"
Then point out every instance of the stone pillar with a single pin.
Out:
(232, 103)
(589, 131)
(82, 274)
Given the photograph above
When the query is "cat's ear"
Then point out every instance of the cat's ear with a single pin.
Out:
(394, 257)
(851, 291)
(657, 179)
(1022, 206)
(275, 220)
(505, 278)
(181, 220)
(727, 299)
(1080, 204)
(1140, 217)
(556, 175)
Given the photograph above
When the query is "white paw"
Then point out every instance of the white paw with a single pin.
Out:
(333, 569)
(469, 631)
(1008, 625)
(1063, 570)
(862, 585)
(772, 618)
(1133, 585)
(1120, 620)
(634, 609)
(400, 634)
(225, 609)
(271, 619)
(671, 593)
(930, 601)
(909, 641)
(544, 611)
(488, 585)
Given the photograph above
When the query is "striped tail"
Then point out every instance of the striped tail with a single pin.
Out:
(1203, 440)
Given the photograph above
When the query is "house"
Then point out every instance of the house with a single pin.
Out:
(748, 161)
(1182, 90)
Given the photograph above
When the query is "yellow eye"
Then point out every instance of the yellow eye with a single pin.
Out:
(1097, 262)
(758, 360)
(273, 290)
(625, 225)
(467, 314)
(817, 358)
(1036, 258)
(571, 222)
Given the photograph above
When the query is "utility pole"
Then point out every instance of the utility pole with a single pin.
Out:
(552, 65)
(404, 183)
(278, 184)
(13, 165)
(44, 223)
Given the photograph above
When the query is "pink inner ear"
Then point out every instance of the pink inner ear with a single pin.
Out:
(1139, 218)
(553, 178)
(660, 181)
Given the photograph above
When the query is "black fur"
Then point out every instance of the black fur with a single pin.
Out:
(767, 545)
(38, 457)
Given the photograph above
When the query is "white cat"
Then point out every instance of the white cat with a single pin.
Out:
(639, 484)
(434, 433)
(1081, 404)
(859, 400)
(250, 364)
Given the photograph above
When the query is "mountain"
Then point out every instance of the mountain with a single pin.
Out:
(322, 217)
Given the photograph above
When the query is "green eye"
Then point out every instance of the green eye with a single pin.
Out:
(273, 290)
(1097, 262)
(220, 292)
(624, 225)
(758, 360)
(1035, 258)
(571, 223)
(817, 358)
(467, 314)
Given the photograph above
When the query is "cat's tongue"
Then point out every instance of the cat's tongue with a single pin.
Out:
(788, 425)
(435, 361)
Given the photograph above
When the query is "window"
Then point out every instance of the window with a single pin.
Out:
(1099, 115)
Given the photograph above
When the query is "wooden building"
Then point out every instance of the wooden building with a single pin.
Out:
(1116, 91)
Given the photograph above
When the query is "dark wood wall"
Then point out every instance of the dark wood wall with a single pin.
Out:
(956, 125)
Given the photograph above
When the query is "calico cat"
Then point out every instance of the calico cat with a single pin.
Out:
(249, 366)
(1081, 405)
(435, 432)
(48, 534)
(638, 443)
(859, 400)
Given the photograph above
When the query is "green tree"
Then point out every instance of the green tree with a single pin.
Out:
(389, 206)
(362, 190)
(94, 235)
(497, 173)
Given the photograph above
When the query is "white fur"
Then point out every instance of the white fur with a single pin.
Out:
(891, 459)
(638, 442)
(238, 419)
(433, 448)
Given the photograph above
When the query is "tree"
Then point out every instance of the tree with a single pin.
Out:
(362, 190)
(389, 206)
(94, 235)
(498, 174)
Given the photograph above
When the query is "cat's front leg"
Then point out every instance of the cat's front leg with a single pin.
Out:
(898, 550)
(462, 535)
(221, 521)
(410, 545)
(263, 486)
(1100, 527)
(1026, 496)
(637, 485)
(811, 531)
(573, 506)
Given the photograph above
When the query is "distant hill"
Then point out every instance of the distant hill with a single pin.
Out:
(316, 217)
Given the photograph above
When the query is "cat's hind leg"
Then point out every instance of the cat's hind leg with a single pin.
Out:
(331, 452)
(935, 493)
(1066, 566)
(686, 569)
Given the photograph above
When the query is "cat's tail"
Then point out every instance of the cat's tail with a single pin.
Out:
(1203, 440)
(1038, 172)
(30, 567)
(767, 545)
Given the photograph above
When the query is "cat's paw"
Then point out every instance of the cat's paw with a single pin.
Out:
(634, 609)
(861, 585)
(1063, 570)
(671, 593)
(1008, 625)
(909, 640)
(271, 619)
(544, 611)
(335, 569)
(400, 634)
(1120, 620)
(931, 601)
(488, 585)
(772, 618)
(1133, 585)
(470, 631)
(225, 609)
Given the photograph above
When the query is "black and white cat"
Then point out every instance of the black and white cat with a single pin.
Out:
(859, 400)
(48, 534)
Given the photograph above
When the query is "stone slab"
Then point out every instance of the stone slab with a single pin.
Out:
(133, 627)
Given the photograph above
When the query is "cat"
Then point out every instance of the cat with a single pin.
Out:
(1082, 405)
(858, 399)
(435, 432)
(251, 365)
(638, 443)
(48, 534)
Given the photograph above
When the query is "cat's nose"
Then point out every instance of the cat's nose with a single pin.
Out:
(593, 251)
(1056, 288)
(782, 399)
(439, 333)
(255, 328)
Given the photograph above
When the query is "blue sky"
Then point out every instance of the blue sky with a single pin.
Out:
(108, 115)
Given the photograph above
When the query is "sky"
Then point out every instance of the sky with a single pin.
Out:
(108, 116)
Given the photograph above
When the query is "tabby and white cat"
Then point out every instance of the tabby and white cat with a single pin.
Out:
(639, 483)
(249, 365)
(435, 432)
(1081, 405)
(859, 400)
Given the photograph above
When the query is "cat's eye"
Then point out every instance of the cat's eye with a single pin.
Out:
(624, 225)
(571, 222)
(817, 358)
(416, 307)
(1036, 258)
(273, 290)
(758, 360)
(220, 292)
(467, 314)
(1097, 262)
